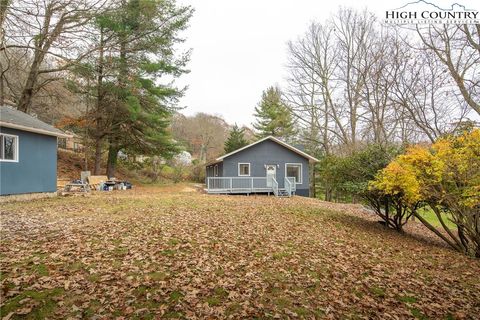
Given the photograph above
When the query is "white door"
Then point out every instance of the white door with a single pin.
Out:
(271, 173)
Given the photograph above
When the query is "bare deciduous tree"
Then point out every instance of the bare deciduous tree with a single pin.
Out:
(458, 48)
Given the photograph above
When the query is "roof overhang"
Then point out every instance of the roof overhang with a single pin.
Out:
(34, 130)
(211, 163)
(280, 142)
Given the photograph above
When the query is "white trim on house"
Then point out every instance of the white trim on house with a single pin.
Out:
(280, 142)
(15, 148)
(301, 171)
(34, 130)
(215, 170)
(238, 169)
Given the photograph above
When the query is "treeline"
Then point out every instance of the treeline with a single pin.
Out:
(392, 114)
(115, 59)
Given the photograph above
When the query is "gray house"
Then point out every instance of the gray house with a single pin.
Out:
(268, 165)
(28, 153)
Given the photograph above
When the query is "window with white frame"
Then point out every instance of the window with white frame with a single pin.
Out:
(244, 169)
(294, 170)
(8, 147)
(215, 170)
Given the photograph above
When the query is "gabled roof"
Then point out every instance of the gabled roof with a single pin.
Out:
(15, 119)
(272, 138)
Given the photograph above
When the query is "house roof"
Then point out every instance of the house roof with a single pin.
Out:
(272, 138)
(15, 119)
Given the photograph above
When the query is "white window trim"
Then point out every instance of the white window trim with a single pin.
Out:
(249, 171)
(215, 170)
(16, 147)
(301, 171)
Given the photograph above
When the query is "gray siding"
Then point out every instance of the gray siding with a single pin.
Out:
(36, 169)
(209, 170)
(267, 152)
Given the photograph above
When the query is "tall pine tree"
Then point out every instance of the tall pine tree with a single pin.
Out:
(236, 139)
(273, 117)
(145, 33)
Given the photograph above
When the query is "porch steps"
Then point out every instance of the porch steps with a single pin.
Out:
(282, 193)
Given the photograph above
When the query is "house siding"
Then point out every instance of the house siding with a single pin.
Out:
(36, 169)
(268, 152)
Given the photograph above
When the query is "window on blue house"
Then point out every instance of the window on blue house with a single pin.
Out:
(294, 170)
(244, 169)
(8, 147)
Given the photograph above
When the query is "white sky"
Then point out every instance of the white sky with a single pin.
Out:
(240, 48)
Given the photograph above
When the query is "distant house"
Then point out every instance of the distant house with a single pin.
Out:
(266, 166)
(28, 153)
(73, 142)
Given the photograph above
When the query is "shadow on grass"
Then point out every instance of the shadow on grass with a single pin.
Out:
(410, 232)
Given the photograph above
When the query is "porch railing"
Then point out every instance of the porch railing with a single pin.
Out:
(275, 186)
(290, 186)
(237, 184)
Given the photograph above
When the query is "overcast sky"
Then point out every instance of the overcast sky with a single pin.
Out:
(240, 48)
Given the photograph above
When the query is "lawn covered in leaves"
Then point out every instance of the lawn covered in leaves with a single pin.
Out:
(171, 252)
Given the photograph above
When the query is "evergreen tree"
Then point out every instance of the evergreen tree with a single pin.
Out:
(145, 33)
(236, 139)
(273, 116)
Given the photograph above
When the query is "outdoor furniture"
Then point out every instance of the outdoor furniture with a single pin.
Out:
(77, 186)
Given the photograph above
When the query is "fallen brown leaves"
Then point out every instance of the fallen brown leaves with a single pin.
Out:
(173, 253)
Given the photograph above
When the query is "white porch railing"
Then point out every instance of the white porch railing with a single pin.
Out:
(250, 185)
(275, 186)
(290, 185)
(237, 184)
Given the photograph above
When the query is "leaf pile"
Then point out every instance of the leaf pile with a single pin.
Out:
(162, 252)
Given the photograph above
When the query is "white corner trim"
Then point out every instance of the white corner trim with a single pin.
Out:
(301, 171)
(249, 169)
(16, 147)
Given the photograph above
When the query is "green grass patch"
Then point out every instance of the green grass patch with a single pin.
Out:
(428, 214)
(173, 242)
(219, 294)
(213, 301)
(377, 291)
(168, 253)
(176, 295)
(40, 269)
(46, 304)
(157, 276)
(407, 299)
(281, 255)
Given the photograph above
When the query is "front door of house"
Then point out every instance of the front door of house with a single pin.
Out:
(271, 174)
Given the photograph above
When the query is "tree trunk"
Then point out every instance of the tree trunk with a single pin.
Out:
(112, 160)
(99, 108)
(312, 180)
(98, 156)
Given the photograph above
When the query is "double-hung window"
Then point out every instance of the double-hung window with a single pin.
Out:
(294, 170)
(244, 169)
(8, 147)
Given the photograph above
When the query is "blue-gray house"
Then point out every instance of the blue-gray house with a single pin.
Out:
(28, 153)
(268, 165)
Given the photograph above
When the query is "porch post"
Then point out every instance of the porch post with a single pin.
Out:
(231, 185)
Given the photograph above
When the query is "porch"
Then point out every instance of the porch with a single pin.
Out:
(247, 185)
